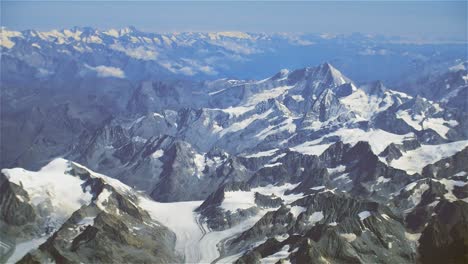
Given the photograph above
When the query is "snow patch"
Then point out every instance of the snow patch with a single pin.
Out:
(297, 210)
(315, 217)
(414, 161)
(266, 153)
(350, 237)
(275, 258)
(157, 154)
(364, 214)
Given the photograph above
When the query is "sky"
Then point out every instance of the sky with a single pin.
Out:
(423, 19)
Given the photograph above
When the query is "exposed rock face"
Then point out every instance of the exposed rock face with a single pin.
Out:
(107, 238)
(14, 206)
(448, 167)
(446, 235)
(332, 228)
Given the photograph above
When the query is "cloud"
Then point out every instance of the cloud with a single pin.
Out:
(107, 71)
(140, 53)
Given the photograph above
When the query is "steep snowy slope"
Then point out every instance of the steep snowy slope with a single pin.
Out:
(292, 204)
(78, 215)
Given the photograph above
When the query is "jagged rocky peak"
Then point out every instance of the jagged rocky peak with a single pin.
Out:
(325, 75)
(376, 88)
(420, 105)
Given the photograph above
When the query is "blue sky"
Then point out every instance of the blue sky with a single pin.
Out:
(427, 19)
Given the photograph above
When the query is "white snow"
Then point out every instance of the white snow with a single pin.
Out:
(337, 169)
(23, 248)
(237, 111)
(297, 210)
(103, 198)
(365, 106)
(415, 197)
(287, 125)
(315, 217)
(158, 115)
(199, 162)
(412, 120)
(458, 67)
(210, 243)
(449, 186)
(279, 191)
(298, 98)
(157, 154)
(5, 38)
(364, 214)
(217, 92)
(414, 161)
(350, 237)
(311, 148)
(439, 125)
(234, 200)
(52, 184)
(386, 217)
(420, 122)
(244, 123)
(112, 32)
(377, 138)
(283, 253)
(266, 153)
(411, 186)
(266, 94)
(318, 188)
(382, 179)
(238, 200)
(344, 176)
(273, 165)
(282, 237)
(89, 220)
(181, 219)
(412, 237)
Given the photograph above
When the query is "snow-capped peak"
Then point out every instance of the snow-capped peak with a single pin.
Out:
(336, 75)
(6, 37)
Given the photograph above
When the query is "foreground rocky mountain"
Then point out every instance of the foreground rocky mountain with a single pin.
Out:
(69, 213)
(343, 205)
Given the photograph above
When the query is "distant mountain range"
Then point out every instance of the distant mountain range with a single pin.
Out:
(307, 165)
(134, 54)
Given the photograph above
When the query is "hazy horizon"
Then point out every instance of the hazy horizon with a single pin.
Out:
(431, 20)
